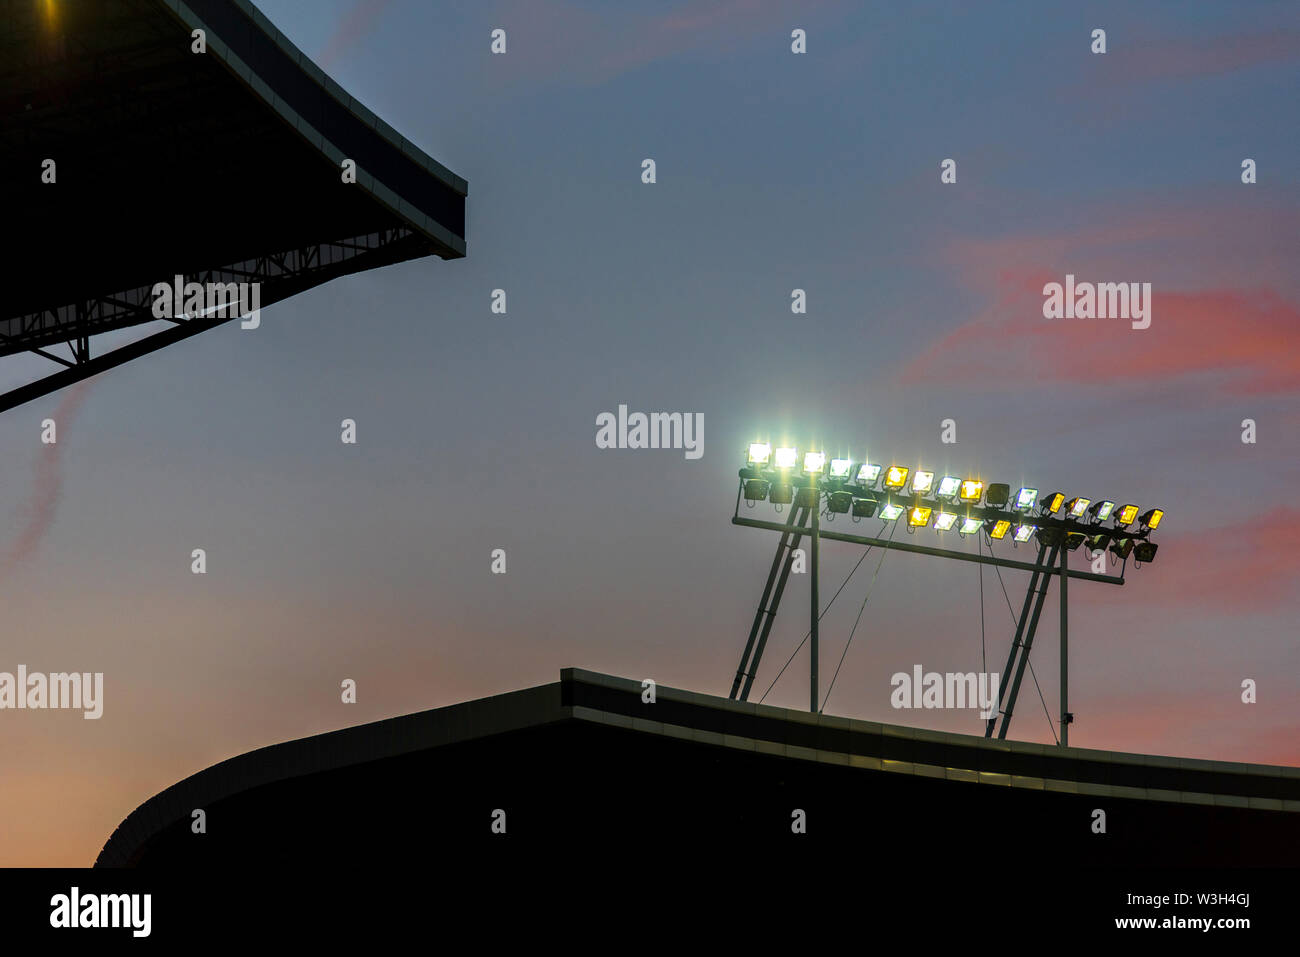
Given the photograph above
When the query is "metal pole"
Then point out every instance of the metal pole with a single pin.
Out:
(938, 552)
(815, 606)
(776, 601)
(763, 602)
(1065, 649)
(1015, 642)
(1029, 646)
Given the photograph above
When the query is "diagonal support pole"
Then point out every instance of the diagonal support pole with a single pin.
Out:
(1029, 641)
(1015, 642)
(769, 615)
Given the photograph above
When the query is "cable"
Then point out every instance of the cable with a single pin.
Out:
(819, 618)
(870, 586)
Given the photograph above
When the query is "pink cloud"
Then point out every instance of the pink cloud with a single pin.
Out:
(1194, 56)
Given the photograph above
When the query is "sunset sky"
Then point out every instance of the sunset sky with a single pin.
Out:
(477, 431)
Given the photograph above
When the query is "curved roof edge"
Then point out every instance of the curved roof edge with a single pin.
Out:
(198, 14)
(587, 696)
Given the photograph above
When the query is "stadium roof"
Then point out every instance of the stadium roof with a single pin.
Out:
(223, 166)
(588, 761)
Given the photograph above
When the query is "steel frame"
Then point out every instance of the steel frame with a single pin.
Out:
(281, 275)
(1042, 569)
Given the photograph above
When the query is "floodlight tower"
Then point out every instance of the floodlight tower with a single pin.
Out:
(863, 489)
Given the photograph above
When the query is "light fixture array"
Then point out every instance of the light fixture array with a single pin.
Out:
(945, 502)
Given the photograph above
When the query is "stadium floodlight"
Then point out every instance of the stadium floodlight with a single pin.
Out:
(949, 486)
(1052, 503)
(896, 477)
(969, 525)
(1025, 499)
(1050, 536)
(1145, 551)
(1077, 507)
(760, 453)
(1122, 547)
(807, 496)
(919, 516)
(972, 490)
(756, 489)
(1150, 522)
(1100, 511)
(839, 502)
(1125, 515)
(840, 468)
(1074, 539)
(1023, 533)
(944, 521)
(997, 495)
(787, 458)
(782, 493)
(868, 475)
(814, 463)
(864, 507)
(922, 481)
(999, 528)
(1098, 542)
(891, 512)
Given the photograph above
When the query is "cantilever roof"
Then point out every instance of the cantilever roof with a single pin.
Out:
(210, 165)
(740, 729)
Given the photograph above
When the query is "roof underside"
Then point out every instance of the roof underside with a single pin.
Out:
(222, 166)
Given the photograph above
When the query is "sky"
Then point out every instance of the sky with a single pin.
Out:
(476, 431)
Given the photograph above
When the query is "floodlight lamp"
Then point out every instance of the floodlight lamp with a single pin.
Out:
(1023, 533)
(814, 463)
(1100, 511)
(972, 490)
(969, 526)
(1074, 539)
(1145, 551)
(1052, 503)
(896, 476)
(891, 512)
(864, 507)
(1025, 499)
(999, 529)
(839, 502)
(756, 489)
(922, 481)
(919, 516)
(1077, 507)
(1098, 542)
(840, 468)
(949, 486)
(1121, 547)
(1126, 515)
(787, 458)
(997, 495)
(1050, 537)
(944, 521)
(808, 496)
(1151, 520)
(868, 474)
(782, 493)
(760, 453)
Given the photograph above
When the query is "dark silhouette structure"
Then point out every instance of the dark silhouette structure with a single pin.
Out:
(585, 765)
(222, 166)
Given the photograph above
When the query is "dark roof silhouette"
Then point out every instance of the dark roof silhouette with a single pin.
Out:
(222, 166)
(585, 762)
